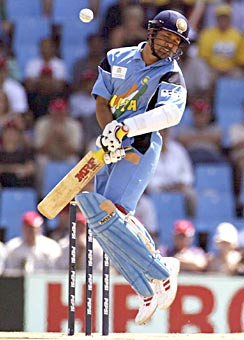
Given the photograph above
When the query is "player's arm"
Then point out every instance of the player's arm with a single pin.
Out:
(103, 112)
(160, 118)
(165, 109)
(102, 92)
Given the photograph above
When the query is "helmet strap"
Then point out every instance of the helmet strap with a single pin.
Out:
(151, 43)
(153, 49)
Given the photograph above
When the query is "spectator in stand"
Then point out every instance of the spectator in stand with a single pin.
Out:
(6, 116)
(83, 106)
(240, 269)
(221, 46)
(57, 136)
(12, 64)
(32, 252)
(227, 257)
(47, 8)
(47, 58)
(237, 13)
(17, 162)
(14, 90)
(174, 172)
(45, 78)
(13, 102)
(196, 73)
(63, 260)
(196, 15)
(94, 5)
(6, 26)
(2, 257)
(21, 121)
(131, 31)
(236, 154)
(113, 18)
(192, 258)
(151, 7)
(96, 50)
(61, 229)
(203, 138)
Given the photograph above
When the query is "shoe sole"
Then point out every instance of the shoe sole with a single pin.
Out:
(144, 321)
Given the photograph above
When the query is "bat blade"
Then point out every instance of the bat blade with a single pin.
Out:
(71, 184)
(75, 180)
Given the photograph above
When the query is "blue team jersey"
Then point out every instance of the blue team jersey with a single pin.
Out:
(133, 88)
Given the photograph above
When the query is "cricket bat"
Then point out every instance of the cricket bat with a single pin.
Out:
(75, 180)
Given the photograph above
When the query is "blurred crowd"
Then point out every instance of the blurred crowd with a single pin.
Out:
(34, 251)
(48, 114)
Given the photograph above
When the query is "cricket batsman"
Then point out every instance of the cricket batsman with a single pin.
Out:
(141, 90)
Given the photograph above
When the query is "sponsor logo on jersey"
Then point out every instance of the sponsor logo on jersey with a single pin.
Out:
(176, 93)
(123, 104)
(128, 101)
(119, 72)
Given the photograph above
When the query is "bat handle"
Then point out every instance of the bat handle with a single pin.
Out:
(122, 132)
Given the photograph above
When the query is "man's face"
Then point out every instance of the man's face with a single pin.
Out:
(224, 22)
(47, 48)
(166, 43)
(30, 234)
(181, 241)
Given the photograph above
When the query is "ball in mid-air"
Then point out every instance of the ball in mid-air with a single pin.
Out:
(86, 15)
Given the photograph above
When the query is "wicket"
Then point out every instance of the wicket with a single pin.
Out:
(88, 279)
(72, 268)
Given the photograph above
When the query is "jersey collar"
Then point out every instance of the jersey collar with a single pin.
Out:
(138, 50)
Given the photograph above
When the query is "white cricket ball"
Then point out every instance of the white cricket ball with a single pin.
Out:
(86, 15)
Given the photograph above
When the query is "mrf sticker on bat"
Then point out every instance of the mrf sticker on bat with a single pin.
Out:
(88, 168)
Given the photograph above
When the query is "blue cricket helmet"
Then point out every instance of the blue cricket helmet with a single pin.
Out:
(172, 21)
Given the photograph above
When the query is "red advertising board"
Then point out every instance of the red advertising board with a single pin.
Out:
(206, 304)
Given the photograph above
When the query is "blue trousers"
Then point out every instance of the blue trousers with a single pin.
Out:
(124, 182)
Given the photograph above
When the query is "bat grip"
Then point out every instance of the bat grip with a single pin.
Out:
(122, 132)
(99, 154)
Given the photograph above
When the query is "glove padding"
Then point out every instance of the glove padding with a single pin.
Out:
(115, 156)
(108, 139)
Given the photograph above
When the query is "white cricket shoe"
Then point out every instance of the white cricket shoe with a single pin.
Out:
(148, 306)
(166, 289)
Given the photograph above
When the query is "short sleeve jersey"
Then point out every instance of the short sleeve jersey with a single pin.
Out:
(133, 88)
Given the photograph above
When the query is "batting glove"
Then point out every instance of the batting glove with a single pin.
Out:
(114, 157)
(108, 139)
